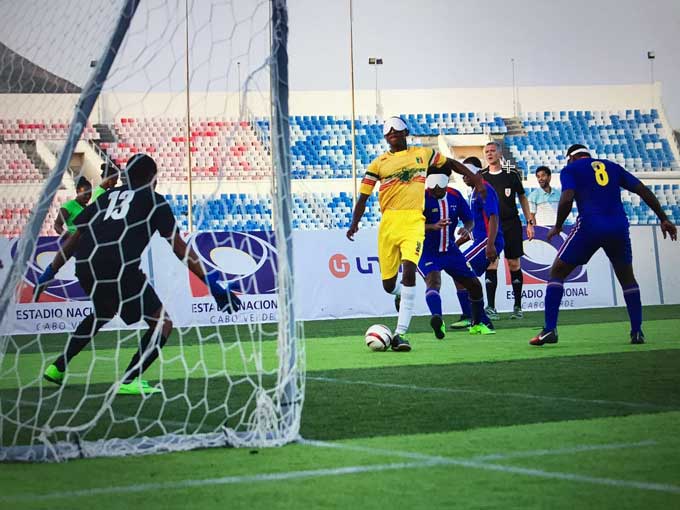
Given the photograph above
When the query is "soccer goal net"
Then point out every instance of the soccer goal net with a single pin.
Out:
(202, 89)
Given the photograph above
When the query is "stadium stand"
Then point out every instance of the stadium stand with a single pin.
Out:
(321, 149)
(220, 148)
(16, 167)
(634, 139)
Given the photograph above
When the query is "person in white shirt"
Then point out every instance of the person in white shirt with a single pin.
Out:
(543, 201)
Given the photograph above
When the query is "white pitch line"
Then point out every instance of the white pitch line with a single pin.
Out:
(529, 396)
(539, 473)
(227, 480)
(424, 461)
(481, 458)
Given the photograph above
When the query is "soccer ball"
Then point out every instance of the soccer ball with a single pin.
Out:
(378, 337)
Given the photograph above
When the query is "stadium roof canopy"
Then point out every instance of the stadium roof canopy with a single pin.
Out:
(19, 75)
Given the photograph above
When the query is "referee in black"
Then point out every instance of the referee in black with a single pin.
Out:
(508, 186)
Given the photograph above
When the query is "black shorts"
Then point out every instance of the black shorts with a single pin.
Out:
(132, 296)
(513, 237)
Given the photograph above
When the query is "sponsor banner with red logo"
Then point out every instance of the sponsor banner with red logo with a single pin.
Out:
(334, 278)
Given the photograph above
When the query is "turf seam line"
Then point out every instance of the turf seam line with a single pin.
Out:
(530, 396)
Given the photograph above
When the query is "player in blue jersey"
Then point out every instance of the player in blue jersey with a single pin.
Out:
(444, 206)
(602, 223)
(486, 235)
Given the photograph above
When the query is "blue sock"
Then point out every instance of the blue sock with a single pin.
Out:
(477, 307)
(553, 297)
(631, 294)
(464, 299)
(434, 302)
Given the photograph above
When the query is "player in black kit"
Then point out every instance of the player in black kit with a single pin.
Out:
(112, 234)
(508, 186)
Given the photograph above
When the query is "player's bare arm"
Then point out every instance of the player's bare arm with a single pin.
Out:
(563, 210)
(667, 227)
(60, 259)
(531, 220)
(491, 252)
(476, 179)
(60, 220)
(225, 298)
(359, 209)
(464, 233)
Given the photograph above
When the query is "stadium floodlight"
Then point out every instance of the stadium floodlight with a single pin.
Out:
(376, 61)
(221, 378)
(651, 55)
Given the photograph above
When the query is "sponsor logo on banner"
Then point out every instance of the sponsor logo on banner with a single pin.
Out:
(248, 262)
(539, 255)
(340, 266)
(538, 258)
(64, 288)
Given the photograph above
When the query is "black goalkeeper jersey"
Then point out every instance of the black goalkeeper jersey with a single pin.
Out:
(116, 228)
(507, 185)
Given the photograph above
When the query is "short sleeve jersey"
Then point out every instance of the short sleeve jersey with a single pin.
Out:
(544, 205)
(74, 209)
(97, 192)
(482, 210)
(402, 177)
(597, 187)
(116, 229)
(508, 186)
(452, 207)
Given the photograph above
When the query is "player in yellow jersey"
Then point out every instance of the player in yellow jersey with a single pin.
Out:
(401, 172)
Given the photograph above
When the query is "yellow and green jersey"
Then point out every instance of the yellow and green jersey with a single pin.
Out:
(402, 177)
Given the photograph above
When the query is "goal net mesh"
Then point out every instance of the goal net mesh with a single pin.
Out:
(202, 88)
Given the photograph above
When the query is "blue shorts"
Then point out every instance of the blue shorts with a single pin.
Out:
(451, 261)
(475, 255)
(587, 237)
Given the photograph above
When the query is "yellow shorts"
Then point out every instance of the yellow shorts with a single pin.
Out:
(400, 237)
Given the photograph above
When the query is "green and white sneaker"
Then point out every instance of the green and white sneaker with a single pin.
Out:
(491, 313)
(462, 323)
(481, 329)
(137, 387)
(517, 313)
(54, 375)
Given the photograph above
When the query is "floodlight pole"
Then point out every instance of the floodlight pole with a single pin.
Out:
(650, 57)
(238, 72)
(375, 62)
(514, 89)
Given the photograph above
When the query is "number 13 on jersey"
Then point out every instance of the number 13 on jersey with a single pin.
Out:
(119, 204)
(601, 175)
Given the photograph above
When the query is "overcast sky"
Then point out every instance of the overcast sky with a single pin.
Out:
(469, 43)
(424, 43)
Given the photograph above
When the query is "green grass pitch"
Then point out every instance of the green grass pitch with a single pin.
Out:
(467, 422)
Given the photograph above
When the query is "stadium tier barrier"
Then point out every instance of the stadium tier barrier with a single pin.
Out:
(336, 278)
(246, 212)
